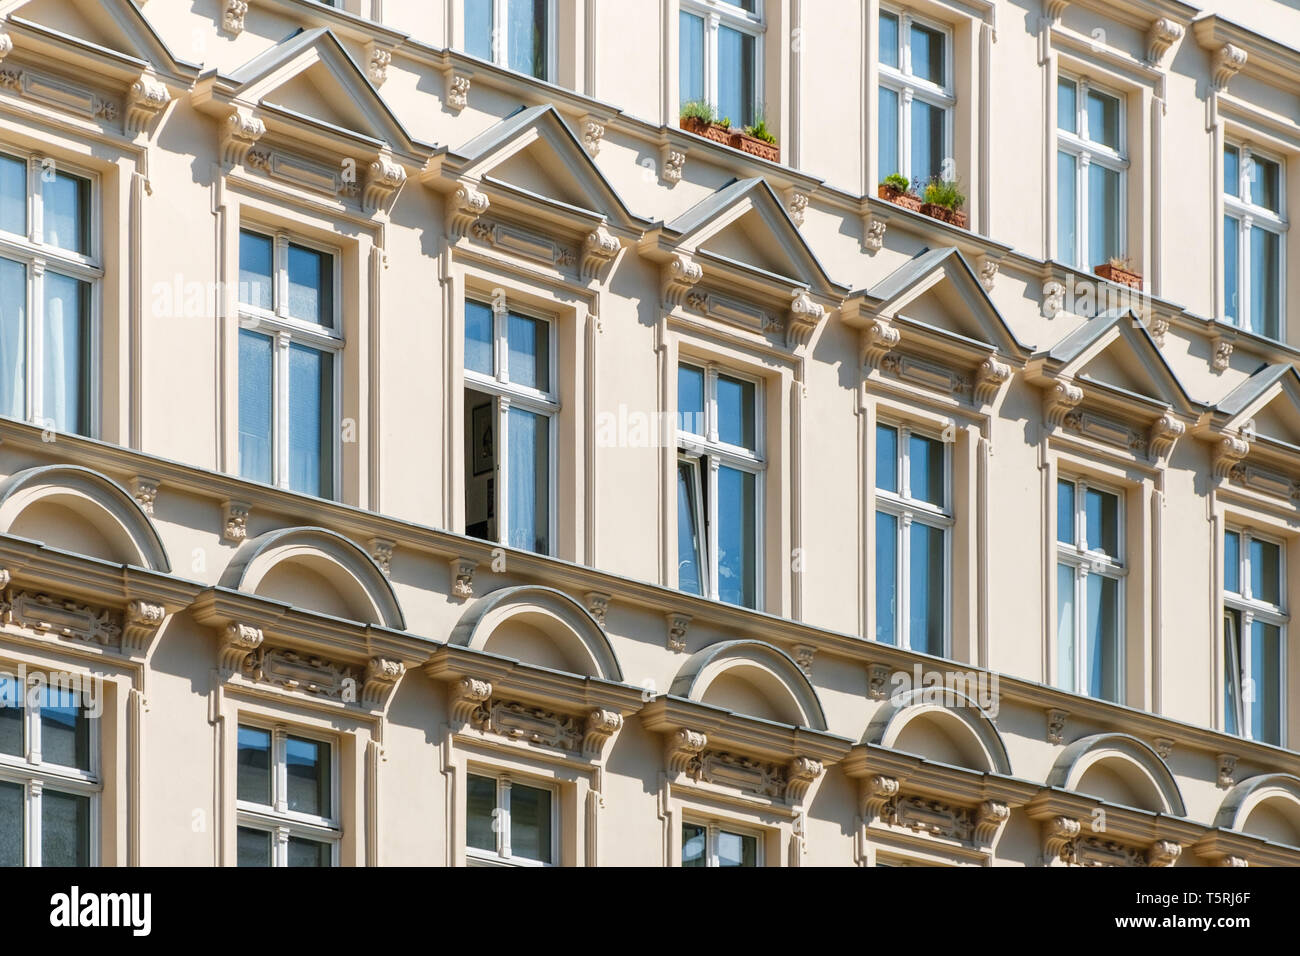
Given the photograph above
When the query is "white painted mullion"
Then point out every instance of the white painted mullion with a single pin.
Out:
(280, 412)
(712, 534)
(503, 469)
(33, 835)
(711, 23)
(503, 817)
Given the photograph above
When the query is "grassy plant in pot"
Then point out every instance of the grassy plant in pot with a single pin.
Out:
(942, 200)
(701, 119)
(757, 140)
(1120, 270)
(896, 189)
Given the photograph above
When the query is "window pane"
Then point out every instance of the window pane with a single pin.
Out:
(927, 590)
(1067, 208)
(737, 553)
(890, 162)
(1231, 269)
(1231, 171)
(1065, 512)
(255, 401)
(1102, 632)
(311, 421)
(65, 729)
(253, 847)
(478, 28)
(1103, 119)
(925, 469)
(530, 823)
(735, 849)
(1232, 562)
(695, 840)
(736, 412)
(65, 829)
(1102, 520)
(480, 813)
(886, 578)
(889, 40)
(308, 853)
(255, 270)
(311, 285)
(927, 142)
(927, 54)
(478, 337)
(1103, 214)
(689, 573)
(13, 195)
(11, 824)
(529, 438)
(736, 76)
(1265, 700)
(526, 37)
(13, 338)
(1263, 176)
(65, 202)
(1266, 572)
(307, 776)
(253, 763)
(65, 398)
(1067, 106)
(690, 64)
(529, 352)
(1265, 281)
(1232, 674)
(1065, 626)
(11, 717)
(690, 400)
(886, 458)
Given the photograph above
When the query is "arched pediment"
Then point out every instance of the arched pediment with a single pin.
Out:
(940, 724)
(79, 510)
(1118, 768)
(1266, 806)
(541, 626)
(316, 570)
(748, 676)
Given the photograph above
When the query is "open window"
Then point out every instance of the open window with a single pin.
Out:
(1254, 636)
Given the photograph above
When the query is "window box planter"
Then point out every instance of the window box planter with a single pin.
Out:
(953, 217)
(1121, 276)
(898, 197)
(714, 131)
(734, 138)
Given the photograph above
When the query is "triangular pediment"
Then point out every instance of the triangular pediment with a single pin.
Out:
(1266, 405)
(107, 30)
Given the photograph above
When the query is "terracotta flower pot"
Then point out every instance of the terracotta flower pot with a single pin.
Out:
(954, 217)
(714, 131)
(756, 147)
(898, 197)
(1120, 276)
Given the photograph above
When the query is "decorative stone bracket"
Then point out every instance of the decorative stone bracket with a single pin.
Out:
(377, 60)
(598, 251)
(1228, 454)
(238, 135)
(383, 178)
(465, 206)
(462, 577)
(381, 550)
(805, 316)
(677, 625)
(873, 231)
(238, 642)
(1056, 725)
(598, 605)
(234, 521)
(381, 677)
(989, 379)
(879, 338)
(1163, 435)
(680, 275)
(1163, 34)
(878, 681)
(672, 163)
(144, 491)
(140, 624)
(457, 97)
(232, 16)
(1059, 401)
(147, 98)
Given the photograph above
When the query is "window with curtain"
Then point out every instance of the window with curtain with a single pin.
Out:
(1254, 636)
(509, 822)
(1254, 235)
(49, 776)
(1091, 163)
(510, 409)
(914, 520)
(916, 97)
(720, 57)
(49, 277)
(1090, 574)
(517, 34)
(719, 481)
(287, 813)
(289, 349)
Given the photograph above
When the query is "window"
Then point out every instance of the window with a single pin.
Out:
(510, 411)
(286, 796)
(1254, 636)
(289, 348)
(1254, 229)
(720, 57)
(916, 98)
(719, 485)
(507, 822)
(707, 844)
(1089, 590)
(49, 279)
(913, 520)
(49, 776)
(1090, 164)
(516, 34)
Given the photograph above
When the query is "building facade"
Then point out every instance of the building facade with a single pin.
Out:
(551, 432)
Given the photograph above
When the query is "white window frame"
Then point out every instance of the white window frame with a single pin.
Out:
(501, 819)
(1250, 608)
(36, 776)
(500, 41)
(1248, 215)
(37, 258)
(717, 14)
(1087, 151)
(506, 394)
(907, 509)
(1084, 561)
(713, 829)
(692, 448)
(284, 331)
(275, 818)
(910, 87)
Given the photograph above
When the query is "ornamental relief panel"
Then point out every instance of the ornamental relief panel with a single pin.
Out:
(127, 631)
(473, 705)
(886, 805)
(689, 755)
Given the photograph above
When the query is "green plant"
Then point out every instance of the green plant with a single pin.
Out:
(945, 193)
(698, 110)
(760, 131)
(897, 181)
(725, 122)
